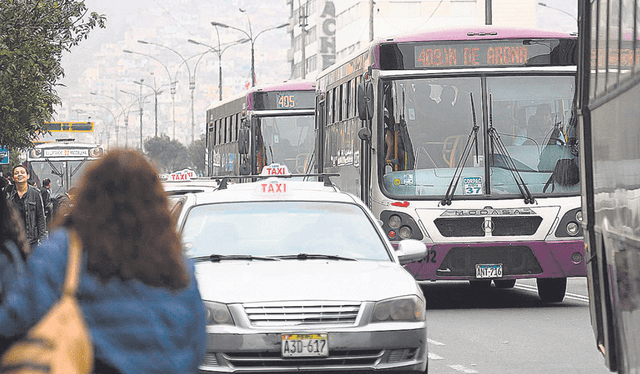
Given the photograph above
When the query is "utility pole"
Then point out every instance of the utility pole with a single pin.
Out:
(371, 5)
(488, 12)
(303, 36)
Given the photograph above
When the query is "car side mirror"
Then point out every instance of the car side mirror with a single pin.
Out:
(411, 250)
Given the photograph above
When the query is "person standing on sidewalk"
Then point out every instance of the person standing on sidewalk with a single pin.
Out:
(27, 201)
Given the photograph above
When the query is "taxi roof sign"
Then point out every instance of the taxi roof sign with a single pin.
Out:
(182, 175)
(271, 188)
(274, 170)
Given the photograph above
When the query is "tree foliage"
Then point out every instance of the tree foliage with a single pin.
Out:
(197, 152)
(168, 155)
(34, 35)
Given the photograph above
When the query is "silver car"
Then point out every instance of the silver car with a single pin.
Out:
(298, 276)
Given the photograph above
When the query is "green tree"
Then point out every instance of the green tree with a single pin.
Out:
(168, 155)
(197, 151)
(34, 34)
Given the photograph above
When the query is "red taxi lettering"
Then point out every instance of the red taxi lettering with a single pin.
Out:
(276, 171)
(274, 187)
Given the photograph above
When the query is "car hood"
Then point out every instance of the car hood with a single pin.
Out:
(257, 281)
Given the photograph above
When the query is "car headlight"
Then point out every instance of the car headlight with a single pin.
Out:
(405, 309)
(218, 314)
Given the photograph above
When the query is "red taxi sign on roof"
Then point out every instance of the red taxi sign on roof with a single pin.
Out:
(275, 170)
(271, 188)
(182, 175)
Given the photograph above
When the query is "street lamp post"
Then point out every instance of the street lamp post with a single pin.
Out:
(140, 103)
(252, 38)
(172, 84)
(559, 10)
(126, 120)
(156, 92)
(219, 51)
(192, 82)
(115, 120)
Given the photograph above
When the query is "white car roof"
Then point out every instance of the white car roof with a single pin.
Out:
(276, 189)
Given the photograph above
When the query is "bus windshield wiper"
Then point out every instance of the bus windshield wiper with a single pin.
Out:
(314, 256)
(218, 257)
(497, 145)
(471, 140)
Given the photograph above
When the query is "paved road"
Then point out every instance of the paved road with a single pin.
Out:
(500, 331)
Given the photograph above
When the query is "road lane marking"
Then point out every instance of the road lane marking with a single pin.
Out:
(433, 356)
(463, 369)
(431, 341)
(571, 296)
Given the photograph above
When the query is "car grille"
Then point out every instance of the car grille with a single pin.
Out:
(342, 359)
(302, 313)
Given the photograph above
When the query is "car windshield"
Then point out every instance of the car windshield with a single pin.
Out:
(282, 228)
(523, 124)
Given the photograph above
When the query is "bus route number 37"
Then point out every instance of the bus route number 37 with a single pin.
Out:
(286, 101)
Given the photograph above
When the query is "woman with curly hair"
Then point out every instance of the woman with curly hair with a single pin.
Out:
(137, 291)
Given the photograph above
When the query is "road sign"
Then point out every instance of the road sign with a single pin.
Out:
(4, 156)
(69, 126)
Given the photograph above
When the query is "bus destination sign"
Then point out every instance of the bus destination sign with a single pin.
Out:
(284, 100)
(480, 54)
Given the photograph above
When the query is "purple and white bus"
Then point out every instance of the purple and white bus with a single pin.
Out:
(464, 139)
(263, 125)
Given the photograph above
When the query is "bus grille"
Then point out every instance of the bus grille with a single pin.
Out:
(501, 226)
(302, 313)
(515, 260)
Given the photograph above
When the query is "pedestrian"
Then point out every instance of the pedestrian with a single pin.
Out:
(14, 249)
(47, 201)
(26, 199)
(137, 290)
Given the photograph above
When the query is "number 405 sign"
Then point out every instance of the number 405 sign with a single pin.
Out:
(4, 156)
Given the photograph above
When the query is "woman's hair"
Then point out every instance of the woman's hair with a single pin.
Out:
(12, 228)
(121, 214)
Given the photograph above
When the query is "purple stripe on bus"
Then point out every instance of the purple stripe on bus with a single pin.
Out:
(301, 85)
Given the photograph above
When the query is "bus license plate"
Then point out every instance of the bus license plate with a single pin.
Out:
(488, 270)
(305, 345)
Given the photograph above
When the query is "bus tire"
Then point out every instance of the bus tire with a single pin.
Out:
(551, 290)
(480, 284)
(504, 283)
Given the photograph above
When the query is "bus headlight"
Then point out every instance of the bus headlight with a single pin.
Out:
(395, 221)
(405, 232)
(217, 314)
(579, 216)
(573, 228)
(407, 309)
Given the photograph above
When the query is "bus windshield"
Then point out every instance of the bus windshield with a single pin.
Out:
(523, 130)
(63, 174)
(287, 140)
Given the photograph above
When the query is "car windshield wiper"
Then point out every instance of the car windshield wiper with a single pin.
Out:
(218, 257)
(314, 256)
(498, 147)
(471, 140)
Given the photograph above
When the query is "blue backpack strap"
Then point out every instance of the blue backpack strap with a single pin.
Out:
(18, 262)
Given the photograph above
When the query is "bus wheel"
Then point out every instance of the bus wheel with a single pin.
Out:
(480, 284)
(504, 283)
(551, 290)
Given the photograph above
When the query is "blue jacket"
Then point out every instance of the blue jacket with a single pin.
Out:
(134, 327)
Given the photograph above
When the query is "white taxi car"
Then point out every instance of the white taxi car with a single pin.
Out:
(298, 276)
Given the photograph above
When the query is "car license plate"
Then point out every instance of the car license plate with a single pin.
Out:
(305, 345)
(488, 270)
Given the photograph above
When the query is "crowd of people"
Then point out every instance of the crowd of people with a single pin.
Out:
(137, 290)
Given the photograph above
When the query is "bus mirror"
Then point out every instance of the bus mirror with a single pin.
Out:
(245, 169)
(243, 140)
(364, 134)
(365, 102)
